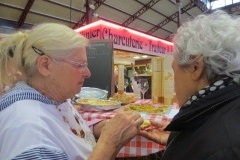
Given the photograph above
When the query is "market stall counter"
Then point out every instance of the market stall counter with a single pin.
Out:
(138, 146)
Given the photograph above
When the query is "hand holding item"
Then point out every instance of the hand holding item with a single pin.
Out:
(121, 129)
(146, 124)
(156, 134)
(116, 133)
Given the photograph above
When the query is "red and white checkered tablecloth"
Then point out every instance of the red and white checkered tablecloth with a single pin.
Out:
(138, 146)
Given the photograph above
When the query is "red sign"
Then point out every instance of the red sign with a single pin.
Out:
(126, 39)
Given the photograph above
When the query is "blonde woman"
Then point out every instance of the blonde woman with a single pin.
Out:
(37, 119)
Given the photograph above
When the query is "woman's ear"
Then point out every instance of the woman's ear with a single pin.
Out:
(43, 65)
(197, 69)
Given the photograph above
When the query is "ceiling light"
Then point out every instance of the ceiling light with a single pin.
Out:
(95, 15)
(92, 6)
(145, 56)
(136, 57)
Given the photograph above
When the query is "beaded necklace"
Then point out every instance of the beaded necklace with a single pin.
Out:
(79, 131)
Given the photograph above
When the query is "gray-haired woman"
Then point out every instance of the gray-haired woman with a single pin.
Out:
(206, 64)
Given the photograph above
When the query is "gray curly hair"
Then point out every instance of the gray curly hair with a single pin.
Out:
(215, 38)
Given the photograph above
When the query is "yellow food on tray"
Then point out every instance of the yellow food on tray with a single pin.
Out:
(96, 102)
(148, 108)
(124, 98)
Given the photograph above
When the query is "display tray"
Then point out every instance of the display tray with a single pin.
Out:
(158, 109)
(92, 93)
(97, 105)
(123, 98)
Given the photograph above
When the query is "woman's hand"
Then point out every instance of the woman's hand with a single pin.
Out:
(122, 128)
(157, 133)
(97, 128)
(116, 134)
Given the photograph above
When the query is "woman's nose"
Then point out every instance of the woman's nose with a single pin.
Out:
(87, 73)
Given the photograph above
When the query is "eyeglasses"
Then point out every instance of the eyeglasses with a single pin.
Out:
(82, 66)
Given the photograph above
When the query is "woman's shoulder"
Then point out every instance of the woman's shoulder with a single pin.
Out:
(24, 112)
(22, 92)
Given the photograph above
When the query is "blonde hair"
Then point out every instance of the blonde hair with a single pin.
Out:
(16, 54)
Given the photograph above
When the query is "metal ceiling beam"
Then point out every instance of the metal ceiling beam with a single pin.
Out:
(230, 9)
(168, 38)
(24, 13)
(7, 23)
(131, 15)
(185, 12)
(37, 13)
(156, 10)
(202, 6)
(81, 22)
(63, 5)
(107, 20)
(140, 12)
(189, 14)
(89, 11)
(84, 18)
(179, 15)
(170, 18)
(64, 20)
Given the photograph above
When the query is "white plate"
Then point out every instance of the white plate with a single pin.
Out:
(92, 93)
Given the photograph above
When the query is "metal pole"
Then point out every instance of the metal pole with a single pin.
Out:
(89, 11)
(178, 3)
